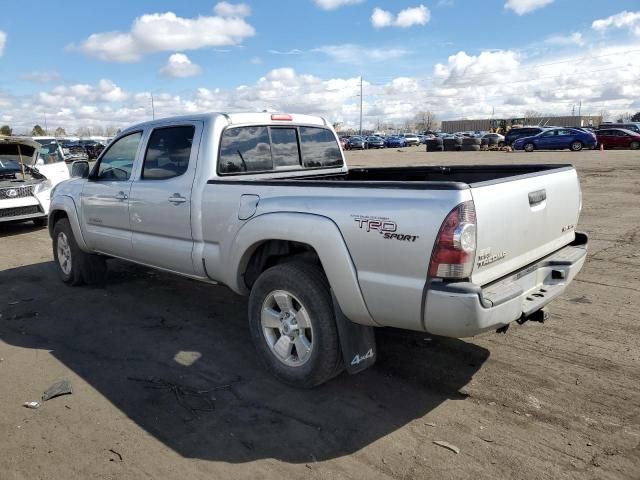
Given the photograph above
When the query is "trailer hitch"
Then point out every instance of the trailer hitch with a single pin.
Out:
(539, 316)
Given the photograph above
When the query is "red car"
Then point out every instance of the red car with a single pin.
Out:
(618, 138)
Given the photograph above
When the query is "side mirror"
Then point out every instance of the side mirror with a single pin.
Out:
(80, 169)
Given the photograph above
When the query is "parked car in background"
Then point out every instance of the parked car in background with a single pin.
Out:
(557, 139)
(27, 175)
(633, 126)
(50, 150)
(411, 139)
(494, 139)
(618, 138)
(516, 133)
(74, 152)
(375, 142)
(357, 143)
(395, 142)
(344, 143)
(92, 147)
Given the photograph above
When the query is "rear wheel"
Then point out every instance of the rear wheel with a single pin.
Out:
(576, 146)
(634, 145)
(293, 325)
(529, 147)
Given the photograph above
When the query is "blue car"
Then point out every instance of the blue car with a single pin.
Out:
(557, 139)
(395, 142)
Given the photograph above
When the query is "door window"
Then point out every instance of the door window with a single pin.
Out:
(168, 152)
(550, 133)
(117, 162)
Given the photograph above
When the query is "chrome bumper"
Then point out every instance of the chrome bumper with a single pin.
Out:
(464, 309)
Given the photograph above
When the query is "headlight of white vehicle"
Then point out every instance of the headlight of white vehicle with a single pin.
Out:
(42, 186)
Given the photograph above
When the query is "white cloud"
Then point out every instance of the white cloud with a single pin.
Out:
(41, 77)
(628, 20)
(360, 55)
(333, 4)
(565, 40)
(293, 51)
(180, 66)
(406, 18)
(160, 32)
(3, 42)
(521, 7)
(461, 85)
(226, 9)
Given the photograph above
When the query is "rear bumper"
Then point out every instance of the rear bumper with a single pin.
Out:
(465, 309)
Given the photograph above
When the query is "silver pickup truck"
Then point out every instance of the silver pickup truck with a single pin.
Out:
(264, 204)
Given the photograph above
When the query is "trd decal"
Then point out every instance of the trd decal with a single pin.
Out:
(384, 226)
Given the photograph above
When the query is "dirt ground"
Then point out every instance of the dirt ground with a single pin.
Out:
(553, 401)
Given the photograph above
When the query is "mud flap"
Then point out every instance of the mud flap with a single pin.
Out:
(358, 342)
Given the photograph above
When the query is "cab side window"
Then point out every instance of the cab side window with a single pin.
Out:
(117, 162)
(168, 152)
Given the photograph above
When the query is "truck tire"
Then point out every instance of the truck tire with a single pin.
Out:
(470, 148)
(434, 145)
(74, 266)
(40, 222)
(452, 144)
(293, 326)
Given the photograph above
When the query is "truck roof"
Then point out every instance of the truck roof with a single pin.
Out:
(239, 118)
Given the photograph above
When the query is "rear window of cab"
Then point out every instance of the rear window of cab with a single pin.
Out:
(255, 149)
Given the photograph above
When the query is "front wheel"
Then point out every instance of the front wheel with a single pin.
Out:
(576, 146)
(74, 266)
(293, 325)
(529, 147)
(634, 145)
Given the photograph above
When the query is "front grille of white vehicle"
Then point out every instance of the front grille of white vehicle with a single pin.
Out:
(19, 211)
(16, 192)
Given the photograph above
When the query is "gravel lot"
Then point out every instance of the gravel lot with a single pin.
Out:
(553, 401)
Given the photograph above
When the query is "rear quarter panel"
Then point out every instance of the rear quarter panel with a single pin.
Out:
(389, 234)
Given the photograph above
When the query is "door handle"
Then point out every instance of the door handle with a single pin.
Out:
(121, 196)
(176, 198)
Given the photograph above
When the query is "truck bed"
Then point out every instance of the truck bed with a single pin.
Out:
(423, 177)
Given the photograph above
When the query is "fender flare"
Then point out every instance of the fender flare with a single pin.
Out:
(319, 232)
(66, 204)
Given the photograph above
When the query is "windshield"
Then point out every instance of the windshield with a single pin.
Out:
(10, 156)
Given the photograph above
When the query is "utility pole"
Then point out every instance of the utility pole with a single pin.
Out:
(46, 128)
(153, 110)
(580, 113)
(360, 105)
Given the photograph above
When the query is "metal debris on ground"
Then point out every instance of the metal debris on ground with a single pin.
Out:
(32, 405)
(63, 387)
(116, 453)
(447, 445)
(191, 399)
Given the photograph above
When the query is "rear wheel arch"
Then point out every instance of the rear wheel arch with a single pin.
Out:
(269, 253)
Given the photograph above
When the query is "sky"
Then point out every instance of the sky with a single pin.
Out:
(76, 64)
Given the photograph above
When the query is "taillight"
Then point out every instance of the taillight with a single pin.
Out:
(455, 247)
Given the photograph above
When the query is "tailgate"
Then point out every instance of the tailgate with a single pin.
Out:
(523, 219)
